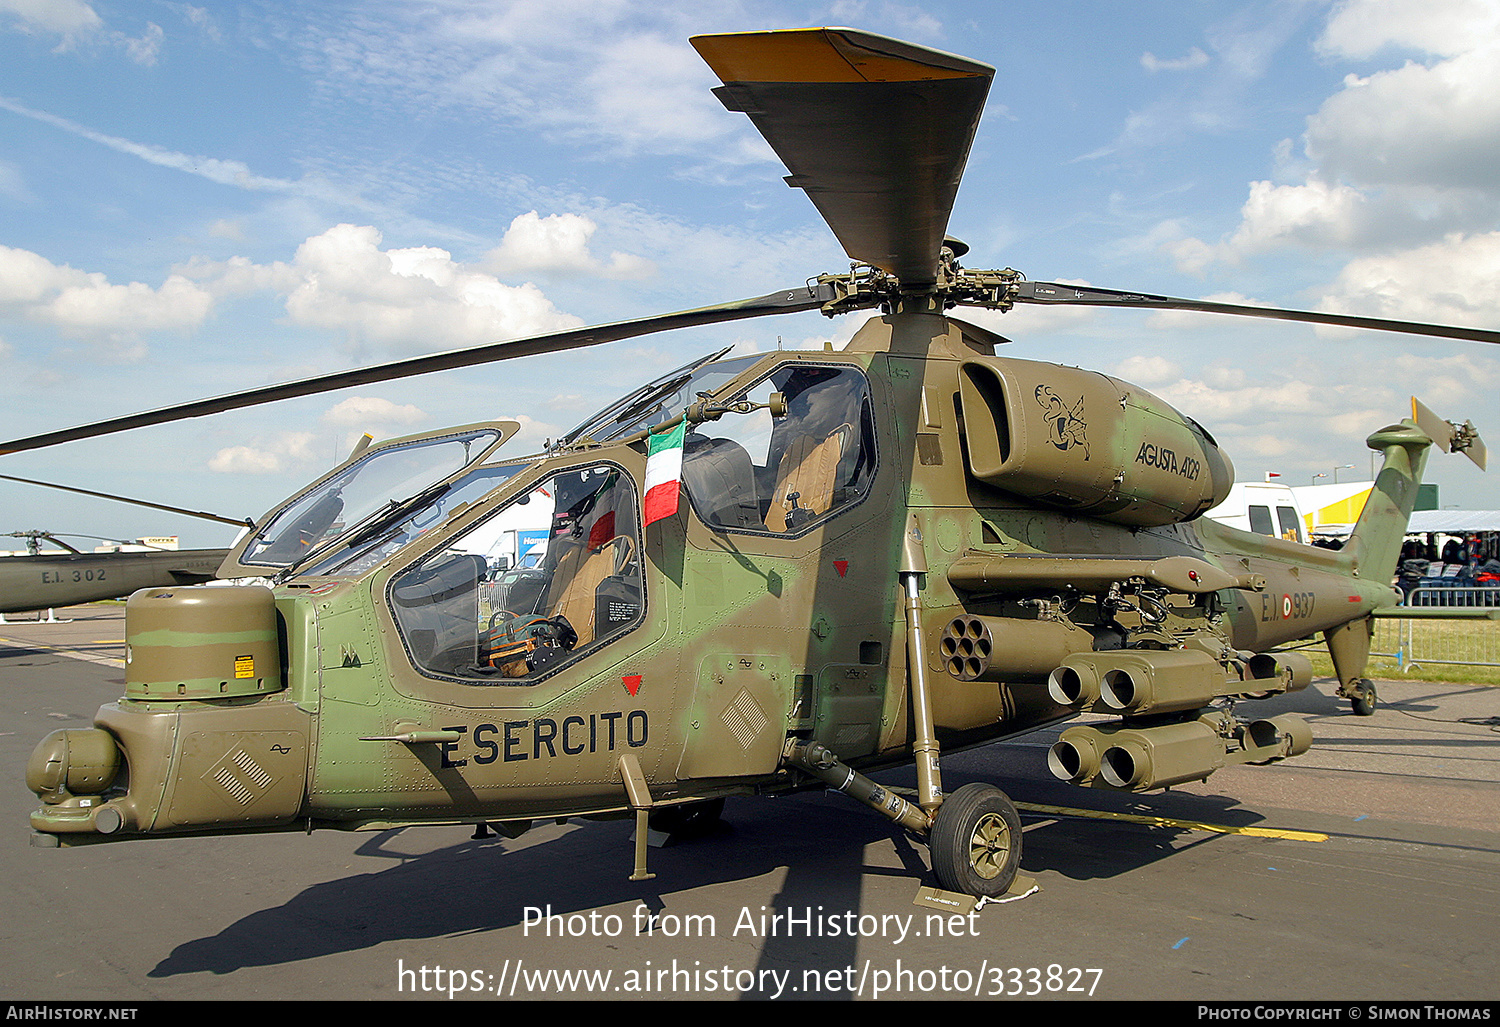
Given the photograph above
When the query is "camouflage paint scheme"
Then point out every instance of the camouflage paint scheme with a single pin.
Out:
(808, 627)
(1008, 543)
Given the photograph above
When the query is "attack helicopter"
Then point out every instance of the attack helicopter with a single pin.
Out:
(44, 581)
(762, 573)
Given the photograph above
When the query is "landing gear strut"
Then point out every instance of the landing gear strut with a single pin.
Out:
(1349, 645)
(974, 834)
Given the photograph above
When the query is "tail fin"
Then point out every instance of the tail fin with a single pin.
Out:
(1375, 543)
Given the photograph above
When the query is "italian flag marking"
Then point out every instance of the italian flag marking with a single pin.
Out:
(663, 472)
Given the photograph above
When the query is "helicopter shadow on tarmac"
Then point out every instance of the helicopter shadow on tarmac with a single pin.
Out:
(820, 841)
(1093, 847)
(484, 885)
(1423, 733)
(30, 655)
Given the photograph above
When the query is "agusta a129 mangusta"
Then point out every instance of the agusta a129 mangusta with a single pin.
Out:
(756, 574)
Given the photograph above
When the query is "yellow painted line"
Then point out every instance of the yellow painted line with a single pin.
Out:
(1192, 825)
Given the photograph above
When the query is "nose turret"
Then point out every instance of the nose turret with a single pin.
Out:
(70, 771)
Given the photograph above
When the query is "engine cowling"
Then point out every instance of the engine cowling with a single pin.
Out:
(1088, 443)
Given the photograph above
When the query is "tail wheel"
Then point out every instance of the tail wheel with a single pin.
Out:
(1364, 699)
(975, 841)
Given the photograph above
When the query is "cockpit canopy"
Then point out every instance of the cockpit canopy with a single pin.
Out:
(468, 611)
(373, 491)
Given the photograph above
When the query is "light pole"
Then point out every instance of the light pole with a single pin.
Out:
(1341, 467)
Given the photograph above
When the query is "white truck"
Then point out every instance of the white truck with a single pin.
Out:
(1263, 507)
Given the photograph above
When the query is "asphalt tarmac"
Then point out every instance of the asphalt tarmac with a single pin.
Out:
(1366, 870)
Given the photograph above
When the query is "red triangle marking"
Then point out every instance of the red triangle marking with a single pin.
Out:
(841, 566)
(632, 683)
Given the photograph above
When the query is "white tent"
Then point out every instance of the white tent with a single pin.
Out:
(1453, 522)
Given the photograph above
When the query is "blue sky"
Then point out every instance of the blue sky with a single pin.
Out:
(195, 200)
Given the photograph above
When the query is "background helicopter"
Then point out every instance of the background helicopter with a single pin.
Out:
(44, 581)
(909, 545)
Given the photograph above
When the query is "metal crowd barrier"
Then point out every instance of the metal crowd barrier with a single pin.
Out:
(1449, 596)
(1425, 638)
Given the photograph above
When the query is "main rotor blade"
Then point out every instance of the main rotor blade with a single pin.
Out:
(876, 131)
(203, 514)
(1052, 293)
(787, 301)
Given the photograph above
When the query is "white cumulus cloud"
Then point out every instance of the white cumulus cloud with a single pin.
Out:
(415, 298)
(411, 299)
(1453, 281)
(364, 411)
(75, 22)
(1398, 177)
(1360, 29)
(270, 456)
(1195, 58)
(66, 18)
(88, 305)
(558, 243)
(1148, 370)
(1428, 125)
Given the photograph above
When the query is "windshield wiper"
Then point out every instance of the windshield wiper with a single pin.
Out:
(643, 405)
(370, 525)
(634, 399)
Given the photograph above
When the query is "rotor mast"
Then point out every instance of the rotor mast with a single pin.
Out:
(877, 133)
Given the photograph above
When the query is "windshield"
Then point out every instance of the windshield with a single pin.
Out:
(660, 400)
(358, 551)
(459, 618)
(785, 473)
(357, 495)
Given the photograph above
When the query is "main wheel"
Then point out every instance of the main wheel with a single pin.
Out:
(1364, 700)
(975, 841)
